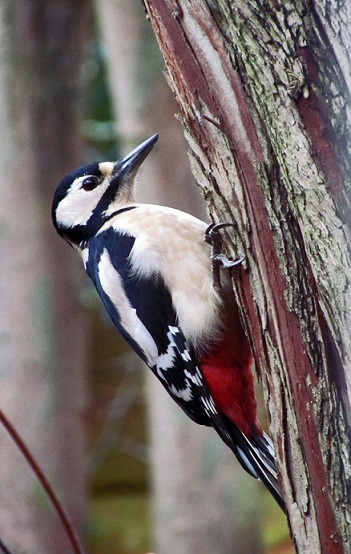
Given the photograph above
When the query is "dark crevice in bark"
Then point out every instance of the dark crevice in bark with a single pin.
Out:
(335, 366)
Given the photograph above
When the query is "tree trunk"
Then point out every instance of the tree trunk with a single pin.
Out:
(42, 326)
(263, 91)
(183, 477)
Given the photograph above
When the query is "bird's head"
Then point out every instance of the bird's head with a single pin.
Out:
(87, 197)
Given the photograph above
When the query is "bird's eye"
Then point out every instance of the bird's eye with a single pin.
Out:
(90, 183)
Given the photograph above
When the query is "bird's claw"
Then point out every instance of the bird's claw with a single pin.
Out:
(213, 237)
(226, 262)
(214, 228)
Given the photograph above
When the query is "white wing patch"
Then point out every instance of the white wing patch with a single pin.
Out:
(112, 285)
(196, 379)
(209, 405)
(185, 394)
(166, 362)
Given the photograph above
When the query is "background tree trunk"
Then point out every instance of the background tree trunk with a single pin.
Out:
(183, 477)
(42, 327)
(263, 90)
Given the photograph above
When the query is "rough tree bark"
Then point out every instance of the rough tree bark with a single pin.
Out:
(264, 90)
(42, 326)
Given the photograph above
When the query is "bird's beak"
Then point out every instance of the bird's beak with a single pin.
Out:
(131, 163)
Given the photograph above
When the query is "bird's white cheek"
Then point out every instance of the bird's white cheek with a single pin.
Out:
(76, 208)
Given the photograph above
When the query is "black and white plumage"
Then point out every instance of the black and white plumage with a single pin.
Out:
(152, 270)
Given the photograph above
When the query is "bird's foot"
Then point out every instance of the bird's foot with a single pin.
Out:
(213, 237)
(219, 260)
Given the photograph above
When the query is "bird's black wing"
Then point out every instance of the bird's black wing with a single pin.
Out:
(142, 310)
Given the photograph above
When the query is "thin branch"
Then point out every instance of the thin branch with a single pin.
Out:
(64, 517)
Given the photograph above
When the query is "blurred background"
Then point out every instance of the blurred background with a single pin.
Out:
(81, 82)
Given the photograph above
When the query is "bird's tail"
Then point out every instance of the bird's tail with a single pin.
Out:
(257, 457)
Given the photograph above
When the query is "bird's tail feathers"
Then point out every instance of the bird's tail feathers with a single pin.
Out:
(257, 457)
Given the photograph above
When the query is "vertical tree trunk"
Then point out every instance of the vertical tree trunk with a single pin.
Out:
(42, 327)
(263, 91)
(183, 477)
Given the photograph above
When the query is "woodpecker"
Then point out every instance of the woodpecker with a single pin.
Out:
(152, 269)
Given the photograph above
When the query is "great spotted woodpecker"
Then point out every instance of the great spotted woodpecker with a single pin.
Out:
(152, 269)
